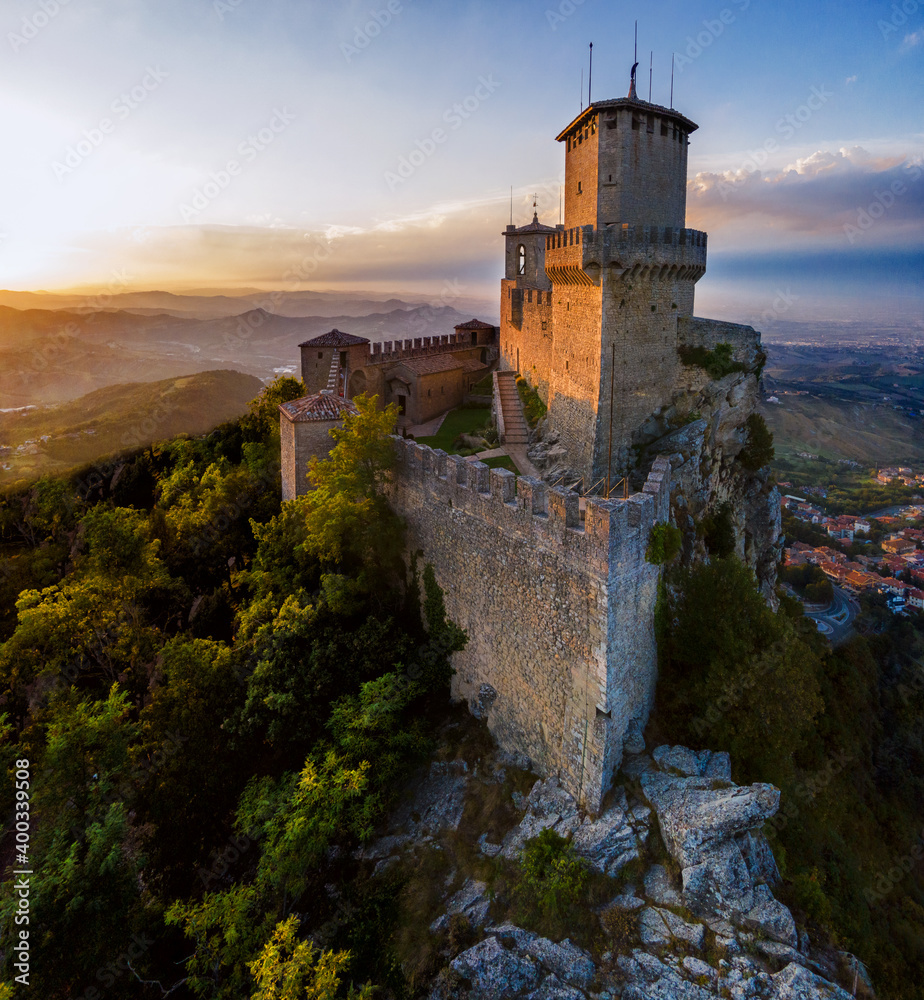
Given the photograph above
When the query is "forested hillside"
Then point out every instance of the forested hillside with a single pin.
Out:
(209, 692)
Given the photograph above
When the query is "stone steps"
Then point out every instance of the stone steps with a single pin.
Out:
(516, 430)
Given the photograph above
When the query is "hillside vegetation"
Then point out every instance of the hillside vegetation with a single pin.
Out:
(118, 418)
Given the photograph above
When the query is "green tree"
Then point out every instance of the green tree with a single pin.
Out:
(758, 450)
(346, 512)
(289, 969)
(734, 675)
(263, 419)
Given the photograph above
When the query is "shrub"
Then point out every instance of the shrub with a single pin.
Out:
(533, 407)
(552, 875)
(620, 926)
(758, 451)
(663, 544)
(718, 362)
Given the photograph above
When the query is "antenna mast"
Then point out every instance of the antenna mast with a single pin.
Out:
(590, 73)
(511, 204)
(582, 88)
(650, 64)
(673, 60)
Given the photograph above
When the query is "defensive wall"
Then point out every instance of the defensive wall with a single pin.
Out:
(558, 604)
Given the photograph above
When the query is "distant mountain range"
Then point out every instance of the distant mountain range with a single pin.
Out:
(215, 304)
(50, 356)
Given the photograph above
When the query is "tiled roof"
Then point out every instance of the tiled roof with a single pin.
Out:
(336, 338)
(432, 364)
(323, 406)
(473, 365)
(475, 324)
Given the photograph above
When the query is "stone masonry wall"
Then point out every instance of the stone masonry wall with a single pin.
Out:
(299, 442)
(526, 333)
(559, 609)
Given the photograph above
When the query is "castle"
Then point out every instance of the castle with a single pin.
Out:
(553, 584)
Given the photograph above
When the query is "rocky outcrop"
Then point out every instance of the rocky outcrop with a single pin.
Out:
(708, 824)
(705, 924)
(608, 843)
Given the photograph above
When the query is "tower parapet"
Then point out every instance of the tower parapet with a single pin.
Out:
(579, 255)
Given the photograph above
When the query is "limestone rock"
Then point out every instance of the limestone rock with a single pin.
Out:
(548, 805)
(609, 842)
(721, 881)
(797, 983)
(771, 917)
(565, 960)
(647, 978)
(692, 814)
(438, 801)
(661, 928)
(553, 988)
(495, 972)
(759, 858)
(626, 901)
(659, 888)
(470, 901)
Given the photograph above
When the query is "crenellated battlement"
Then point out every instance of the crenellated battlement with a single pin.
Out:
(579, 255)
(531, 506)
(419, 347)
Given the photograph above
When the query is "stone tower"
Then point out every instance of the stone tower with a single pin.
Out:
(599, 337)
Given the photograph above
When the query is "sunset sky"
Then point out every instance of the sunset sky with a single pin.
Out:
(274, 143)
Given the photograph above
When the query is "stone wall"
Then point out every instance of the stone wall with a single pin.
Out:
(299, 442)
(558, 607)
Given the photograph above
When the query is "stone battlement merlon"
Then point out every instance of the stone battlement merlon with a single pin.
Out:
(529, 507)
(418, 347)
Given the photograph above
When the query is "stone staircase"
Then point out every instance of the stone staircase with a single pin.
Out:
(514, 428)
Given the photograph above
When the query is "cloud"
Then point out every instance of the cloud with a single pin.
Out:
(912, 40)
(812, 200)
(455, 243)
(851, 79)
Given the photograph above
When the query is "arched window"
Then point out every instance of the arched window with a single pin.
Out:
(521, 259)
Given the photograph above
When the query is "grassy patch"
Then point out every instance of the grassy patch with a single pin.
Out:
(462, 421)
(502, 462)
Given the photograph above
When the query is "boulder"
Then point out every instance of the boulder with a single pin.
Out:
(691, 813)
(553, 988)
(495, 972)
(660, 928)
(659, 887)
(437, 802)
(471, 901)
(720, 883)
(564, 960)
(547, 806)
(758, 856)
(771, 917)
(609, 842)
(647, 978)
(797, 983)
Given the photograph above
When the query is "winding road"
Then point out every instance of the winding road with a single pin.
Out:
(835, 620)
